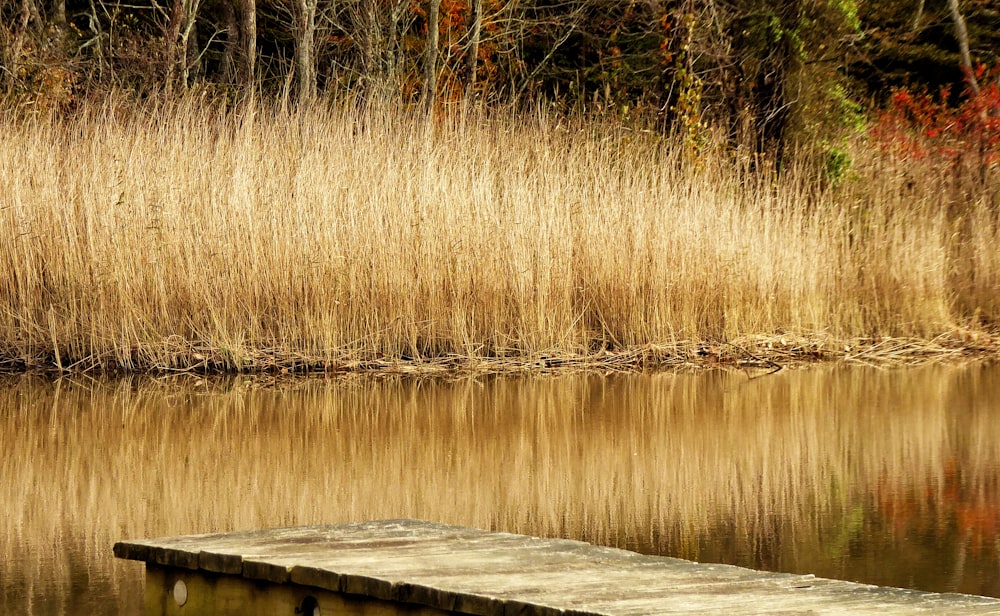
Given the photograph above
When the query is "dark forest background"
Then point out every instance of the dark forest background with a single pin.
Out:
(766, 73)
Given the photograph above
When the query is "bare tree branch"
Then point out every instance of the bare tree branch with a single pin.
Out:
(962, 34)
(430, 57)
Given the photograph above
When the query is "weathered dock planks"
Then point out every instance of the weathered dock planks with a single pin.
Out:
(421, 568)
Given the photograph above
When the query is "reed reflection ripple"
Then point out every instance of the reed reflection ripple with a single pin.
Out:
(888, 477)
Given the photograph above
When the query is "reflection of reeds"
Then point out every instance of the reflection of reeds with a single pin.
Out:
(658, 463)
(195, 238)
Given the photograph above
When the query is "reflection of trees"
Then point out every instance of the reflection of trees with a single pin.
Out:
(884, 477)
(963, 511)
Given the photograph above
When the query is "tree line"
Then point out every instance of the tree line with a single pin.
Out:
(765, 72)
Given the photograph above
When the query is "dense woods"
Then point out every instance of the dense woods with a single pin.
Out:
(766, 73)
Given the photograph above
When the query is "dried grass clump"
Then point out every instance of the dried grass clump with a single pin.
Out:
(189, 238)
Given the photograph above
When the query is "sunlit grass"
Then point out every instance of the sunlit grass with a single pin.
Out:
(182, 237)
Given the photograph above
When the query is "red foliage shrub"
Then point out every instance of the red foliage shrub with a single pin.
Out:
(921, 126)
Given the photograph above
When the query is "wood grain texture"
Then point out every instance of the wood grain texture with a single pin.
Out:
(469, 571)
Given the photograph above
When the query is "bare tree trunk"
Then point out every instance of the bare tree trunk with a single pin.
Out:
(373, 43)
(475, 31)
(59, 13)
(21, 21)
(248, 43)
(962, 34)
(14, 43)
(400, 22)
(190, 14)
(192, 55)
(227, 13)
(393, 56)
(370, 38)
(94, 25)
(430, 58)
(178, 32)
(305, 60)
(170, 37)
(378, 24)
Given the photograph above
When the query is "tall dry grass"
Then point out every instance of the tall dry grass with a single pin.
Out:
(191, 237)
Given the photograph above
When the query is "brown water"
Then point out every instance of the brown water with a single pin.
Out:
(887, 477)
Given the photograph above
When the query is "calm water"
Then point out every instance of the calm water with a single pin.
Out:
(887, 477)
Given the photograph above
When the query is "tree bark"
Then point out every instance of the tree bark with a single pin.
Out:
(962, 34)
(370, 38)
(227, 13)
(183, 51)
(170, 36)
(248, 43)
(430, 57)
(305, 60)
(22, 20)
(475, 30)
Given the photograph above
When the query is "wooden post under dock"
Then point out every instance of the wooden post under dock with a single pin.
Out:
(419, 568)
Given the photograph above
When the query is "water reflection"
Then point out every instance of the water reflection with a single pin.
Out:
(884, 477)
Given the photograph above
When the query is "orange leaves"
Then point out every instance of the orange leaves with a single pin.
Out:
(454, 16)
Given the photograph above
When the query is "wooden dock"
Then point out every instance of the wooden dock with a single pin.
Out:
(419, 568)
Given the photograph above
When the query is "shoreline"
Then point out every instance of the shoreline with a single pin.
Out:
(756, 355)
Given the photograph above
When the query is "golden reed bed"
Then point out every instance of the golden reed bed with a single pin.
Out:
(190, 238)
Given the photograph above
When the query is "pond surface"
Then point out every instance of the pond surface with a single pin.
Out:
(885, 477)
